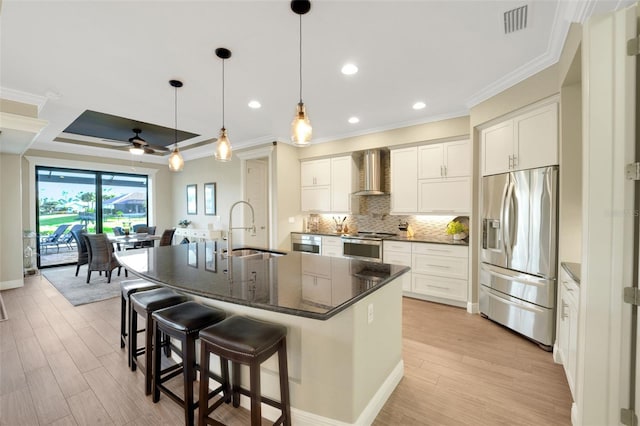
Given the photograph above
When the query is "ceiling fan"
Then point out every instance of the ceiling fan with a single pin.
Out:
(139, 146)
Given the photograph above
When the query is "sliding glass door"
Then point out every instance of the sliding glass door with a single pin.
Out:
(93, 200)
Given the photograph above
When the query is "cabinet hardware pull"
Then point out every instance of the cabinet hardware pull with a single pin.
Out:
(437, 286)
(445, 170)
(515, 161)
(440, 266)
(510, 162)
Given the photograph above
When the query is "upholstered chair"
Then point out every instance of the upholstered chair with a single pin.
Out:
(101, 257)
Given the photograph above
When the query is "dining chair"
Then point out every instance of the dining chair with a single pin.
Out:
(167, 237)
(83, 251)
(101, 256)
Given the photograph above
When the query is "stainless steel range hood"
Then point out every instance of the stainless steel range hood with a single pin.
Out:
(373, 173)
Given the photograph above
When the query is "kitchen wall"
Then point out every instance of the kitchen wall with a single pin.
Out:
(10, 222)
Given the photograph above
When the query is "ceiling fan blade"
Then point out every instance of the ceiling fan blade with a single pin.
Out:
(158, 147)
(148, 150)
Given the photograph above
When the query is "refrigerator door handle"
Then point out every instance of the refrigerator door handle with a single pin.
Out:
(513, 212)
(506, 219)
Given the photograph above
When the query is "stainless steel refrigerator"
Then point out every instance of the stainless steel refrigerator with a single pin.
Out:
(518, 267)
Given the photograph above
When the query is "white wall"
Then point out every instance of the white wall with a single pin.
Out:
(10, 222)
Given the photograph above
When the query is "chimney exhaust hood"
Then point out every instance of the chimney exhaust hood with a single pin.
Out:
(373, 173)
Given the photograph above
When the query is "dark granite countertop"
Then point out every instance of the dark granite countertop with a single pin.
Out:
(274, 283)
(573, 269)
(435, 239)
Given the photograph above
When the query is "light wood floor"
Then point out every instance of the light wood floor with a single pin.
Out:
(62, 365)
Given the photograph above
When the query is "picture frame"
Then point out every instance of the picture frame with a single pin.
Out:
(192, 255)
(192, 199)
(210, 260)
(210, 199)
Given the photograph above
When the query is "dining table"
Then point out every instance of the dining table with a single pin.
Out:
(133, 240)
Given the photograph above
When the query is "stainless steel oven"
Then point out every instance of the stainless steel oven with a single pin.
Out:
(364, 246)
(306, 243)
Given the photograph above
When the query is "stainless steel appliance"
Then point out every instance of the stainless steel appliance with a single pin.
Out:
(306, 243)
(365, 246)
(519, 266)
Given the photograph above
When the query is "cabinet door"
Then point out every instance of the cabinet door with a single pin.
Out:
(431, 161)
(444, 195)
(343, 181)
(315, 172)
(404, 180)
(442, 266)
(497, 148)
(315, 199)
(402, 259)
(536, 134)
(563, 328)
(457, 159)
(312, 264)
(332, 246)
(316, 290)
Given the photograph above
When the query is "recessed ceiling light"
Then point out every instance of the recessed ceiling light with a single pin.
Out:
(254, 104)
(419, 105)
(349, 69)
(354, 120)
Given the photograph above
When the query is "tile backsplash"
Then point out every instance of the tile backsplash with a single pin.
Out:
(374, 216)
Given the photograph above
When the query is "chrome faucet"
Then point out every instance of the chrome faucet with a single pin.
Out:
(231, 227)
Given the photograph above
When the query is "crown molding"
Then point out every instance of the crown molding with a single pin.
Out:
(23, 97)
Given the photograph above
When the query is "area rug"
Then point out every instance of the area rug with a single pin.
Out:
(77, 291)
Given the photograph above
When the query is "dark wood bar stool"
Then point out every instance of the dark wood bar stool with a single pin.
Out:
(183, 322)
(146, 303)
(127, 289)
(247, 341)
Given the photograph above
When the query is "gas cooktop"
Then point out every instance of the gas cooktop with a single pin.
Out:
(370, 235)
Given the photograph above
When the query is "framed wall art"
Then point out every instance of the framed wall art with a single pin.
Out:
(210, 199)
(192, 199)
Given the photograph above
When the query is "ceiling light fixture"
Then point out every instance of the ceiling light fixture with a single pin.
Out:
(176, 162)
(136, 150)
(354, 120)
(137, 147)
(349, 69)
(223, 146)
(254, 104)
(419, 105)
(300, 127)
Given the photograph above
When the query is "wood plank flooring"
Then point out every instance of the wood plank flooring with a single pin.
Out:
(62, 365)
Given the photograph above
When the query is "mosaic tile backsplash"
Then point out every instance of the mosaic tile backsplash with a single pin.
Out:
(374, 217)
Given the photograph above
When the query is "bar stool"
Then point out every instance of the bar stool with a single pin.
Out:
(128, 288)
(247, 341)
(183, 322)
(145, 303)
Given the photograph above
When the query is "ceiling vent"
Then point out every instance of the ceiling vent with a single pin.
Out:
(515, 19)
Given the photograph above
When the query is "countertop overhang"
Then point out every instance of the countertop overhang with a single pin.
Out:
(274, 283)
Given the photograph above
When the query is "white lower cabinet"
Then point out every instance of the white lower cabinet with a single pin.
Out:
(323, 280)
(332, 246)
(568, 327)
(439, 272)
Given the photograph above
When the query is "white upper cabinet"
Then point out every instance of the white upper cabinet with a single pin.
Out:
(441, 160)
(327, 185)
(527, 141)
(404, 180)
(315, 172)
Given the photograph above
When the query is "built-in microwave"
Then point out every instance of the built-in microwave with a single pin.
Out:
(364, 249)
(306, 243)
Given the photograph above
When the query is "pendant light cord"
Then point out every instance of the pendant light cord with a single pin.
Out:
(223, 93)
(175, 109)
(300, 38)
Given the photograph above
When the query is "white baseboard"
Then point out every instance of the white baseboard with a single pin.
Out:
(473, 308)
(8, 285)
(557, 357)
(368, 415)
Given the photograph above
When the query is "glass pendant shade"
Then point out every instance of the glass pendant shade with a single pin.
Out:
(301, 127)
(136, 150)
(223, 147)
(176, 162)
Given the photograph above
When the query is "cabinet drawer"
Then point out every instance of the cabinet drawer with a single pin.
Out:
(452, 267)
(440, 249)
(397, 246)
(316, 265)
(448, 288)
(397, 258)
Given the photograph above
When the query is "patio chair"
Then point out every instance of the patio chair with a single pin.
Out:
(101, 257)
(118, 231)
(53, 239)
(136, 228)
(167, 237)
(83, 252)
(67, 238)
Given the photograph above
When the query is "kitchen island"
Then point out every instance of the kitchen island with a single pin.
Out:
(343, 320)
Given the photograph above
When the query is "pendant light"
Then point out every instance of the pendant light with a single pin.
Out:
(176, 162)
(300, 126)
(223, 146)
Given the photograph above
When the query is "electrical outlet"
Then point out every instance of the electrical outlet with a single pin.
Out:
(370, 313)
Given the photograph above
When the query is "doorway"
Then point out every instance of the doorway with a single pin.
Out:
(256, 190)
